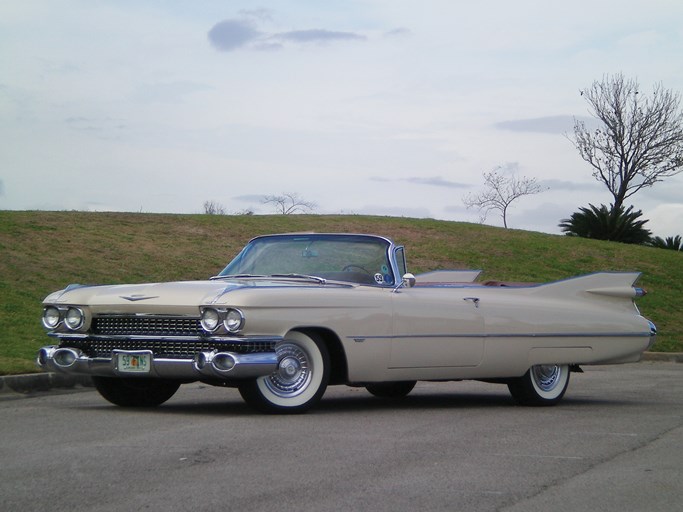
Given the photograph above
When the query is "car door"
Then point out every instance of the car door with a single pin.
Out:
(436, 327)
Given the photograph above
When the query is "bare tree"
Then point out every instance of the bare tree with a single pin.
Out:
(640, 140)
(288, 203)
(213, 208)
(502, 188)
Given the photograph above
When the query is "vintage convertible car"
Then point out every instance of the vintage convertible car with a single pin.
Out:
(294, 313)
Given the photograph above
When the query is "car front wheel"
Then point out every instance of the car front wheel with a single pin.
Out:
(300, 380)
(543, 384)
(135, 392)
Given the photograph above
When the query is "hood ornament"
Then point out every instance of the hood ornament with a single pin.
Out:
(138, 296)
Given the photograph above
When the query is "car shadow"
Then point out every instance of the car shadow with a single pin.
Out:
(417, 402)
(359, 403)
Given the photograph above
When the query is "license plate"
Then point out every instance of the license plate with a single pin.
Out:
(133, 363)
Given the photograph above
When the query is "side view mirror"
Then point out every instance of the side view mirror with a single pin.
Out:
(408, 280)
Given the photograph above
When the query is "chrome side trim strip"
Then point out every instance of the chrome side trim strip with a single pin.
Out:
(510, 335)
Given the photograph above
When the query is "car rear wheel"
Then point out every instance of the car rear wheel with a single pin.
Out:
(391, 389)
(135, 392)
(300, 380)
(541, 385)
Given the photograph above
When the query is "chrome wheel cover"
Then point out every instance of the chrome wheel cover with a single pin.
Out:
(293, 374)
(546, 377)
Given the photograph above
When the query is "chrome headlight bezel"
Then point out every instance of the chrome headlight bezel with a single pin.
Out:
(64, 318)
(74, 318)
(211, 319)
(52, 317)
(234, 320)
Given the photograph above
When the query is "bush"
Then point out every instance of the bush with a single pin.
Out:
(605, 223)
(675, 243)
(213, 208)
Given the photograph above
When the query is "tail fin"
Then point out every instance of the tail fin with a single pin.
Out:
(610, 284)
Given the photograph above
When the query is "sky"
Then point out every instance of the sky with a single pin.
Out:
(383, 107)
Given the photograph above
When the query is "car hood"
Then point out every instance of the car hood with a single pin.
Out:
(172, 293)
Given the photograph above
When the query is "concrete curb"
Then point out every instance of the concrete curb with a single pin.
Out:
(667, 357)
(40, 382)
(49, 381)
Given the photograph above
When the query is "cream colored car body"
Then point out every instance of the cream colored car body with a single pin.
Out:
(437, 326)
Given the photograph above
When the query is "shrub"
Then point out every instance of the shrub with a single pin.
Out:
(675, 243)
(603, 223)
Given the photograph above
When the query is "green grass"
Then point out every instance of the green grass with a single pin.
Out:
(41, 252)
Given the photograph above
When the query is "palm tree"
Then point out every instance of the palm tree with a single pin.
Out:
(675, 243)
(603, 223)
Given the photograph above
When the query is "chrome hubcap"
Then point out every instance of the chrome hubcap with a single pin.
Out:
(289, 367)
(293, 374)
(546, 377)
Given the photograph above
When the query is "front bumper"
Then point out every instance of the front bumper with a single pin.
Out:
(205, 364)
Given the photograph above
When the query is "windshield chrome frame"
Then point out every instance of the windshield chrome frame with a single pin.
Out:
(391, 249)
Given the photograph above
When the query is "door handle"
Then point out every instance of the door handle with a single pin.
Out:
(475, 300)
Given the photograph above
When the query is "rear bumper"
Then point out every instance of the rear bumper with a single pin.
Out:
(206, 364)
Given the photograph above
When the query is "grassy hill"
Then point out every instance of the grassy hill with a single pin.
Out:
(41, 252)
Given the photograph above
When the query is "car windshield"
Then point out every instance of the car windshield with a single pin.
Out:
(354, 258)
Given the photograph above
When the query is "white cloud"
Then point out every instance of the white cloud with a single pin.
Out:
(666, 219)
(318, 36)
(229, 35)
(550, 124)
(233, 34)
(434, 181)
(398, 32)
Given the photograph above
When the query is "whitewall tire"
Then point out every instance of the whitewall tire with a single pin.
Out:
(543, 384)
(300, 380)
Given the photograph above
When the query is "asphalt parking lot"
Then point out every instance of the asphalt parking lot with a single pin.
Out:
(614, 444)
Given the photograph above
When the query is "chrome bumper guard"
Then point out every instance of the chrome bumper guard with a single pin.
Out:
(213, 364)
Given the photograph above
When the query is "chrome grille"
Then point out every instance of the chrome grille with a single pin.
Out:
(146, 326)
(170, 349)
(163, 335)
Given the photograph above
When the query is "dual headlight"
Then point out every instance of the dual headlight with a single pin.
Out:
(72, 317)
(232, 319)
